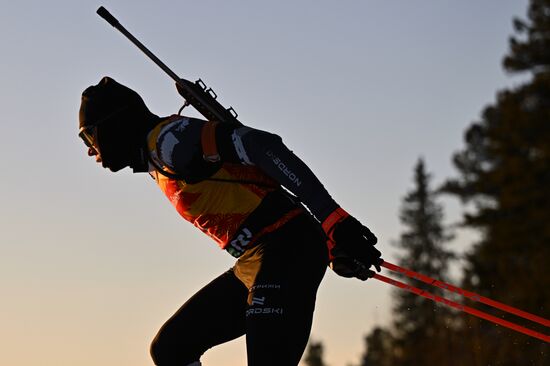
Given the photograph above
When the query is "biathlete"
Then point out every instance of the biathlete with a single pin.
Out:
(246, 190)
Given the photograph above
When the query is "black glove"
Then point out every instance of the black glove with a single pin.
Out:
(355, 240)
(351, 246)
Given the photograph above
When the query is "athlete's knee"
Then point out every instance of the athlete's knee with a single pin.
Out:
(166, 351)
(156, 350)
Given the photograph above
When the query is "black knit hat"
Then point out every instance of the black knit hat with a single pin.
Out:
(102, 101)
(122, 119)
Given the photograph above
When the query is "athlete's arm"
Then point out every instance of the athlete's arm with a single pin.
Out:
(267, 151)
(351, 244)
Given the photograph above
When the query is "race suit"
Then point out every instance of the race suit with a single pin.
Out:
(228, 181)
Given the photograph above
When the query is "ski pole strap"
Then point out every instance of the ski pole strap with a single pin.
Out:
(461, 307)
(467, 294)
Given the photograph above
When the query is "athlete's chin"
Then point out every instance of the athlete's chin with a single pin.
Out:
(114, 168)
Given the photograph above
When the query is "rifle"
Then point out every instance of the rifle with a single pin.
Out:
(196, 94)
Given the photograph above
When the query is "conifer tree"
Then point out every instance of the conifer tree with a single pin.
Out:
(314, 354)
(421, 333)
(504, 173)
(421, 326)
(379, 348)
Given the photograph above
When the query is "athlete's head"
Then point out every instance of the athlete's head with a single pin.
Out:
(114, 122)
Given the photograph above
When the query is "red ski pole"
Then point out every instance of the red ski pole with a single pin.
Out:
(467, 294)
(463, 308)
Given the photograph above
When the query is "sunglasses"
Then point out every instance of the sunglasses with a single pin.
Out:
(88, 135)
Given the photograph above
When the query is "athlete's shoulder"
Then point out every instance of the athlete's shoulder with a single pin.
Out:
(180, 125)
(179, 139)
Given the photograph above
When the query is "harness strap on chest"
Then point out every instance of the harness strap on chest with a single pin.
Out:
(208, 142)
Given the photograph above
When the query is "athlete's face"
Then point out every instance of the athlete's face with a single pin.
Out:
(114, 167)
(117, 150)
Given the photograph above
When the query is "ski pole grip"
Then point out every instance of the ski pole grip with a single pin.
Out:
(104, 13)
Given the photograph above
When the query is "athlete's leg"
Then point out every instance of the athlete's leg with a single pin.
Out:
(282, 299)
(213, 315)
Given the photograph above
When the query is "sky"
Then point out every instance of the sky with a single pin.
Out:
(92, 263)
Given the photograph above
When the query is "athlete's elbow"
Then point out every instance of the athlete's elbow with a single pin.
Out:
(264, 138)
(169, 348)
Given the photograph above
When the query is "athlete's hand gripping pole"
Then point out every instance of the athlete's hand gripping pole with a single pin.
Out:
(203, 99)
(470, 295)
(351, 246)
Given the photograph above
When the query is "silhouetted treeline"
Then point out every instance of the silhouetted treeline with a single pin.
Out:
(503, 179)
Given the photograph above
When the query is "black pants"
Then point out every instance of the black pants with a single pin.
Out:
(269, 295)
